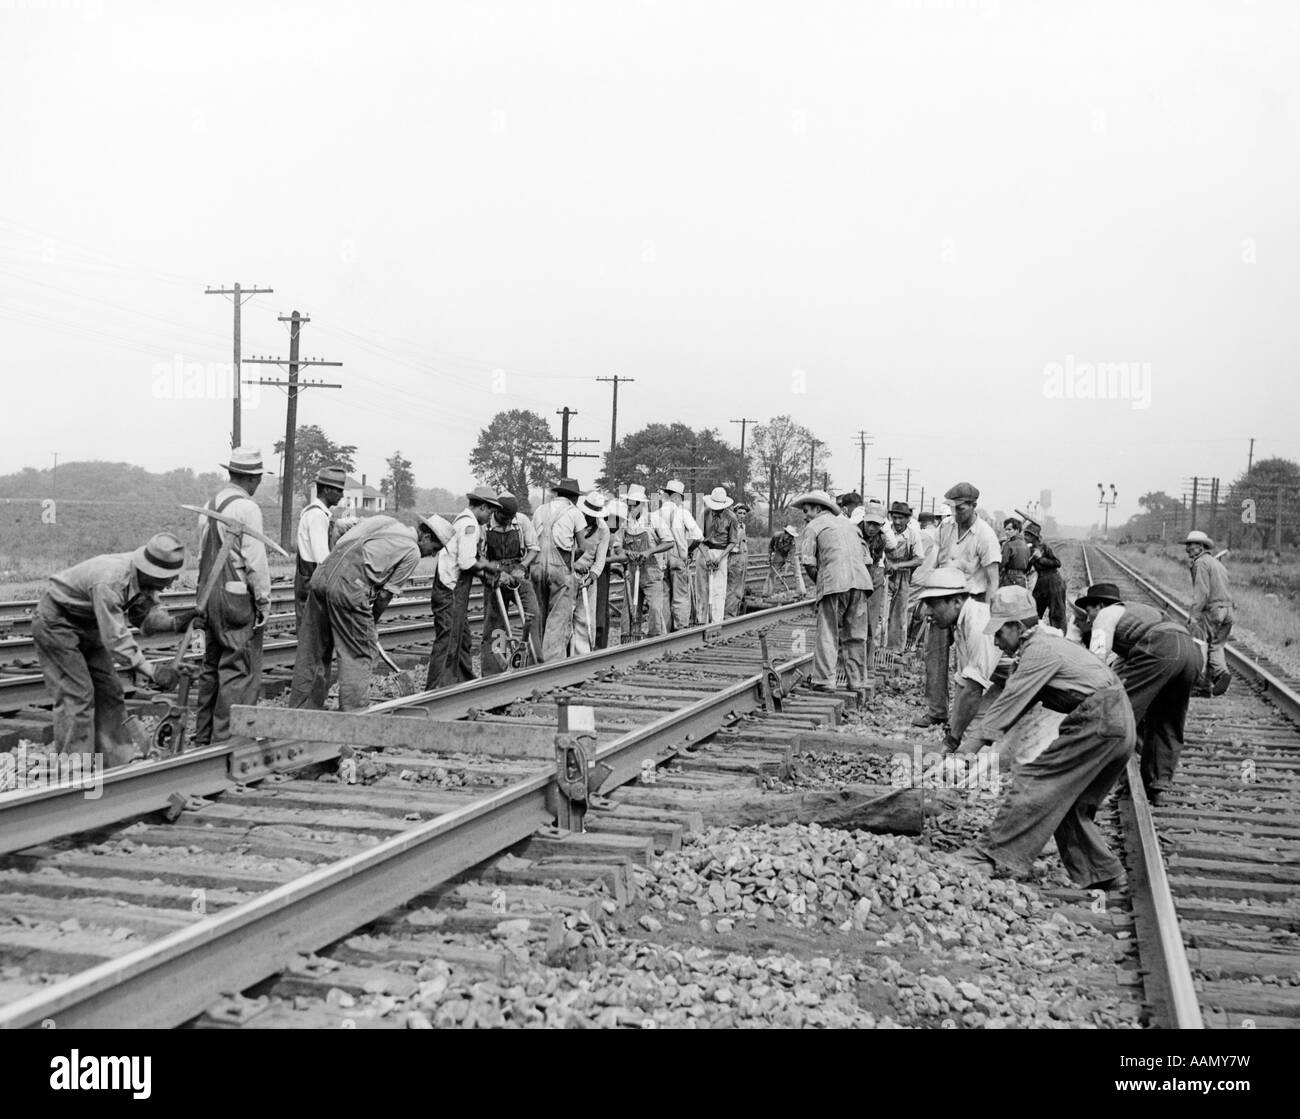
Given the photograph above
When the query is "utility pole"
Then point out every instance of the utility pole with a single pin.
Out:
(812, 458)
(1250, 458)
(889, 480)
(294, 387)
(907, 492)
(921, 504)
(567, 414)
(744, 465)
(240, 295)
(864, 441)
(613, 422)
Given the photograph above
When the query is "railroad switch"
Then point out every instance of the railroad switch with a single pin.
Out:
(771, 687)
(577, 774)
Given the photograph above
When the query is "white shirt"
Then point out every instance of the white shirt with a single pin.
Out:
(248, 556)
(314, 532)
(977, 656)
(970, 552)
(462, 553)
(677, 524)
(1103, 633)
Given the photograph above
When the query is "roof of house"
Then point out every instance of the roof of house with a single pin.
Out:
(366, 491)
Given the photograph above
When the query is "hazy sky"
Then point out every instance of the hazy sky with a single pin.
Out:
(913, 210)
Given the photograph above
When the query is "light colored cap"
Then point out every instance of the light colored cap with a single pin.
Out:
(593, 505)
(817, 497)
(718, 499)
(440, 527)
(673, 486)
(792, 530)
(942, 582)
(636, 492)
(1196, 536)
(163, 557)
(1010, 604)
(873, 516)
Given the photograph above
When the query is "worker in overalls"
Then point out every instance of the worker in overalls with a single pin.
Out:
(452, 660)
(348, 595)
(560, 528)
(510, 542)
(587, 570)
(613, 617)
(738, 563)
(314, 533)
(238, 606)
(644, 548)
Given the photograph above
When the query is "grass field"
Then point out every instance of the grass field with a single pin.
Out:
(1265, 593)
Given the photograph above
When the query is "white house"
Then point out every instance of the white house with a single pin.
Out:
(360, 499)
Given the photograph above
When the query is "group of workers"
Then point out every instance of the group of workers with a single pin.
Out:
(878, 576)
(1129, 679)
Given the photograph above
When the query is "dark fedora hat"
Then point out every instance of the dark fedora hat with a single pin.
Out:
(568, 487)
(901, 507)
(1099, 594)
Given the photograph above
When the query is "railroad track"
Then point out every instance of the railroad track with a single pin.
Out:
(407, 630)
(1215, 869)
(159, 922)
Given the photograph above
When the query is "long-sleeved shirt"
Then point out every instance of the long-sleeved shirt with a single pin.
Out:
(1043, 560)
(1209, 582)
(929, 554)
(314, 532)
(677, 524)
(461, 554)
(106, 589)
(560, 528)
(830, 543)
(1015, 556)
(248, 556)
(1056, 672)
(384, 548)
(977, 656)
(596, 546)
(970, 551)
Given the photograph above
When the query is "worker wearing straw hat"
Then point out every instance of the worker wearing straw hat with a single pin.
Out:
(721, 538)
(1210, 615)
(644, 546)
(587, 569)
(676, 523)
(451, 661)
(82, 623)
(239, 606)
(560, 529)
(314, 532)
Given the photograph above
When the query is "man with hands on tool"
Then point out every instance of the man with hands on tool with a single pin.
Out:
(509, 542)
(82, 623)
(237, 609)
(452, 660)
(587, 569)
(349, 593)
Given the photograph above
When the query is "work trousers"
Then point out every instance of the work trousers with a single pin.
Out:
(89, 709)
(717, 586)
(560, 587)
(303, 570)
(877, 613)
(1159, 674)
(338, 618)
(1049, 598)
(937, 642)
(452, 660)
(232, 664)
(841, 631)
(493, 620)
(1058, 793)
(649, 589)
(1212, 623)
(900, 586)
(737, 569)
(678, 580)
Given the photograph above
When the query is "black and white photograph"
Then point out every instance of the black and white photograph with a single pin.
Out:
(649, 515)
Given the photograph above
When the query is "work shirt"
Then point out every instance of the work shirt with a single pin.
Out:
(643, 534)
(106, 589)
(1015, 556)
(721, 529)
(1116, 629)
(831, 544)
(461, 554)
(559, 528)
(929, 553)
(909, 543)
(970, 551)
(248, 556)
(314, 532)
(596, 545)
(1053, 671)
(1209, 582)
(977, 656)
(677, 524)
(389, 554)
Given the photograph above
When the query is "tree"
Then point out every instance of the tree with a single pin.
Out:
(511, 451)
(312, 450)
(779, 461)
(651, 456)
(399, 482)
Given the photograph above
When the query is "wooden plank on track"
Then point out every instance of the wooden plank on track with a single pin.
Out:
(412, 732)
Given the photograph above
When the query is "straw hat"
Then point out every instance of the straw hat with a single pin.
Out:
(245, 460)
(718, 499)
(439, 526)
(163, 557)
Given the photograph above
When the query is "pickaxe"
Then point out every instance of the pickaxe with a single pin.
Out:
(234, 530)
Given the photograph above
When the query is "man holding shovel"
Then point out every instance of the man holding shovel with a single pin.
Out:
(510, 541)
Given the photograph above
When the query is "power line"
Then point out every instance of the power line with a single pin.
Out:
(241, 296)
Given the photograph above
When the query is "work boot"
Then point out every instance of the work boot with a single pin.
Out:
(927, 720)
(1220, 683)
(1117, 883)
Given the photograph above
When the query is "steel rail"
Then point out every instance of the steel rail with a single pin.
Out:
(1153, 898)
(1278, 691)
(175, 978)
(32, 816)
